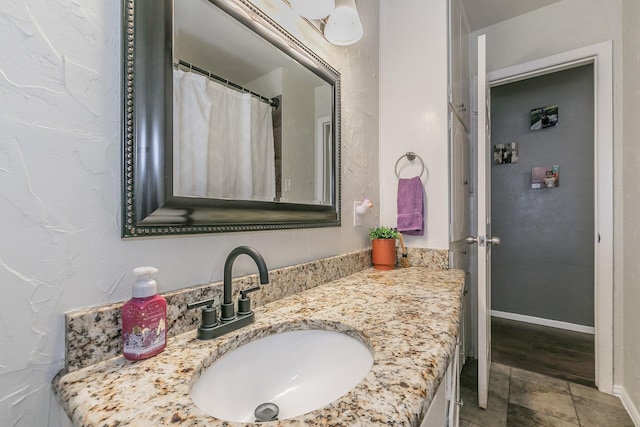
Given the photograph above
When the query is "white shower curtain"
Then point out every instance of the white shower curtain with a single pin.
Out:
(262, 151)
(234, 152)
(192, 108)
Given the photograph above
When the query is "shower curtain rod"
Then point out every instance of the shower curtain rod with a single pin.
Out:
(274, 102)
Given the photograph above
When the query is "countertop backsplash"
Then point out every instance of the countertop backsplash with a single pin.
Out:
(93, 334)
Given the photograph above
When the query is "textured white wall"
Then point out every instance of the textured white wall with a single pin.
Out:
(552, 29)
(413, 110)
(60, 185)
(630, 370)
(298, 124)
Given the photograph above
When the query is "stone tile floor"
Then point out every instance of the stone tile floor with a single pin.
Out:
(519, 398)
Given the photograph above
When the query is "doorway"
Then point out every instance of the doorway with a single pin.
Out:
(600, 56)
(543, 208)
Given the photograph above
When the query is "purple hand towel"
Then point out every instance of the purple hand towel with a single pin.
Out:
(410, 206)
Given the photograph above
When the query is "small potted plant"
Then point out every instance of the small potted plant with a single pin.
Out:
(383, 247)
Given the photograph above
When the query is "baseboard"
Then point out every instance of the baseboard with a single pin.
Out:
(620, 392)
(544, 322)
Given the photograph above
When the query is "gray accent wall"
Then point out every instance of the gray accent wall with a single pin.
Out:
(544, 266)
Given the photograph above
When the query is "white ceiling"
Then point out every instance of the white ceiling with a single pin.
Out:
(484, 13)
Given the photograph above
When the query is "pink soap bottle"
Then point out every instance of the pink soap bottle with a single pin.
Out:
(144, 318)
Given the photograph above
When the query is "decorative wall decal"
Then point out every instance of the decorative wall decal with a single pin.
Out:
(545, 177)
(505, 153)
(544, 117)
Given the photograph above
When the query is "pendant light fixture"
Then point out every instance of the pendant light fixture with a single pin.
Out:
(313, 9)
(343, 27)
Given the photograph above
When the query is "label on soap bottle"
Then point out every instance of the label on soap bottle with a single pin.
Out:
(148, 329)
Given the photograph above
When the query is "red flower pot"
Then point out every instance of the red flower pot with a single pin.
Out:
(383, 254)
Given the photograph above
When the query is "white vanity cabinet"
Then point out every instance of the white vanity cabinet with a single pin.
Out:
(454, 401)
(444, 410)
(437, 412)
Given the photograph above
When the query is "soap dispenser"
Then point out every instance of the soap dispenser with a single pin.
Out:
(144, 318)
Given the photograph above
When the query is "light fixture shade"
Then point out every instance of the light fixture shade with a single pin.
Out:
(313, 9)
(343, 27)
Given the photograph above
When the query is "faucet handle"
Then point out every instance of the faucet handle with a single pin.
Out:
(209, 313)
(244, 302)
(244, 292)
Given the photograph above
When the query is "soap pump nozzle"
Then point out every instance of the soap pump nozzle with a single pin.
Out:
(144, 286)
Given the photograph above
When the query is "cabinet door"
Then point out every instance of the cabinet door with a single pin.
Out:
(453, 389)
(460, 216)
(459, 71)
(454, 53)
(445, 409)
(466, 335)
(465, 71)
(437, 412)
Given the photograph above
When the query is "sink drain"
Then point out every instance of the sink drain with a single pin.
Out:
(266, 412)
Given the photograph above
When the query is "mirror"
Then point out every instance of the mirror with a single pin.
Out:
(230, 124)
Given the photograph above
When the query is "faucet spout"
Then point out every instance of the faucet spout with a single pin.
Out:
(227, 310)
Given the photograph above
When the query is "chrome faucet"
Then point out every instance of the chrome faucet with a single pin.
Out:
(229, 321)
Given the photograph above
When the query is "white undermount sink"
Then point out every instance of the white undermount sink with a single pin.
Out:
(299, 371)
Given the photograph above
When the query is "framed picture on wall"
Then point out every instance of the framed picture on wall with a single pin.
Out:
(505, 153)
(544, 117)
(545, 177)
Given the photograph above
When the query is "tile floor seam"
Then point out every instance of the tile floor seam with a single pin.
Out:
(508, 398)
(573, 402)
(575, 408)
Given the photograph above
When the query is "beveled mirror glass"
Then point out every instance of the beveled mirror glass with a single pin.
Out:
(231, 124)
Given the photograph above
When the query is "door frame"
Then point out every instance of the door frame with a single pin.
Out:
(601, 56)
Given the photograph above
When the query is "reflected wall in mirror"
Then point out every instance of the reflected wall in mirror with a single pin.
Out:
(231, 124)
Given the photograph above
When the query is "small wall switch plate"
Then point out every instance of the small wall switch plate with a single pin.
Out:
(357, 219)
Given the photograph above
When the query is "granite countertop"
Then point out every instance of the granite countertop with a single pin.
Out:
(407, 317)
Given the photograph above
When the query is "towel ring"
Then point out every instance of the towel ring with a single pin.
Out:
(411, 156)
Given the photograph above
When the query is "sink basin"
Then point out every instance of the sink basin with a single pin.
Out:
(299, 371)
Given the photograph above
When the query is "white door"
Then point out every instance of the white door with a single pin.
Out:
(484, 240)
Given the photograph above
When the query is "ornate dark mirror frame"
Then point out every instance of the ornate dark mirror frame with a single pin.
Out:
(149, 206)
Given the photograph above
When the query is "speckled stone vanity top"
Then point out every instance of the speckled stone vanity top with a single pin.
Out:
(408, 317)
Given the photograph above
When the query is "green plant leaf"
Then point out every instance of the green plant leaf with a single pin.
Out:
(383, 233)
